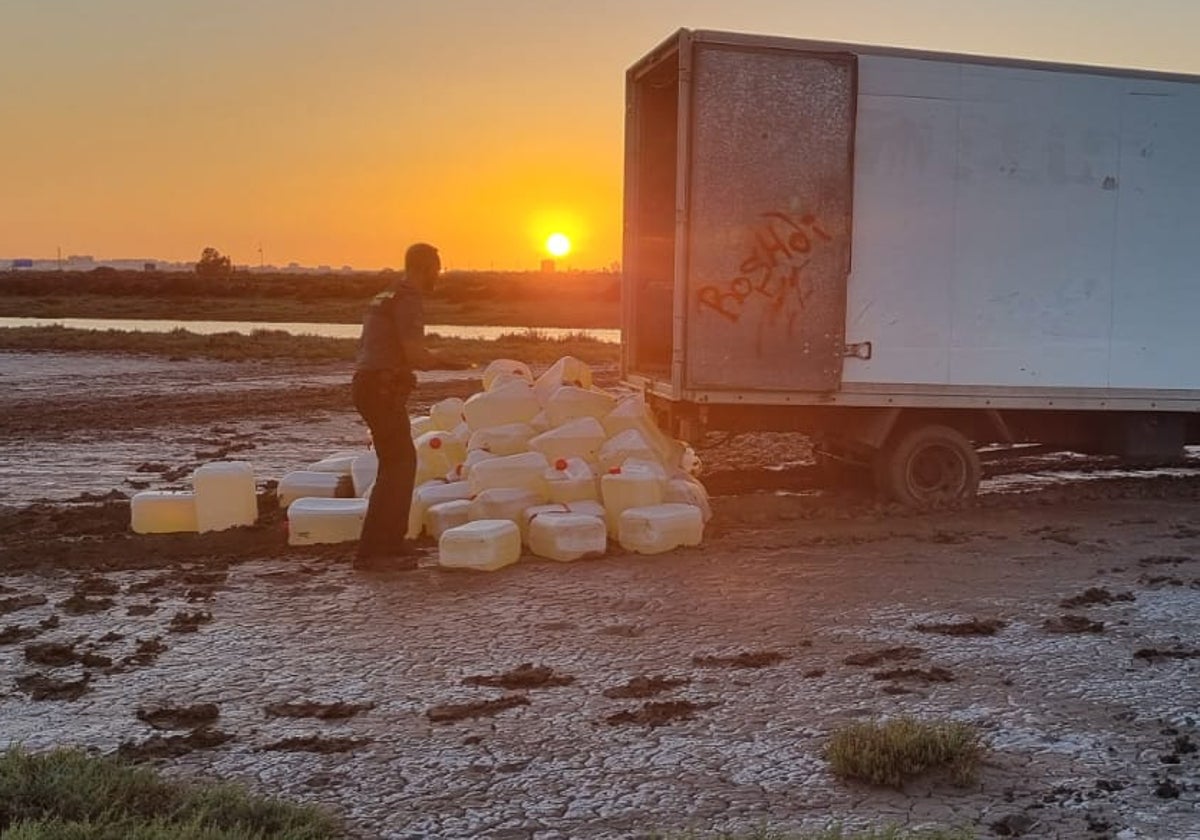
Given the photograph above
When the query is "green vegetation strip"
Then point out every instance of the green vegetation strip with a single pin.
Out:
(891, 753)
(70, 795)
(528, 346)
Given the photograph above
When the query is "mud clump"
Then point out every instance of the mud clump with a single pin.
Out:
(141, 609)
(972, 627)
(82, 605)
(892, 654)
(93, 585)
(1071, 623)
(1094, 596)
(52, 654)
(50, 622)
(316, 744)
(42, 687)
(173, 746)
(641, 687)
(320, 711)
(20, 602)
(522, 677)
(813, 673)
(654, 713)
(14, 633)
(186, 621)
(746, 659)
(933, 674)
(146, 653)
(484, 708)
(1156, 655)
(1167, 560)
(179, 717)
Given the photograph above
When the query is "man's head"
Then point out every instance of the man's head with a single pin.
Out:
(422, 265)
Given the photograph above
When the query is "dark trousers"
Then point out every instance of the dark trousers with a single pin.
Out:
(381, 398)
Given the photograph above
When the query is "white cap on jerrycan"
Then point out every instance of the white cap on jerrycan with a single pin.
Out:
(524, 470)
(506, 439)
(446, 414)
(501, 371)
(569, 402)
(571, 480)
(578, 438)
(512, 402)
(566, 371)
(437, 454)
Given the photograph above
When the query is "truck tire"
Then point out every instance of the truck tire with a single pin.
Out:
(929, 465)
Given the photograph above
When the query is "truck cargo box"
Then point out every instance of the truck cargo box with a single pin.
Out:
(838, 226)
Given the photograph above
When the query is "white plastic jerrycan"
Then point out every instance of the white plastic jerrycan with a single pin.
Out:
(482, 545)
(225, 495)
(500, 371)
(686, 490)
(312, 521)
(626, 488)
(363, 471)
(566, 371)
(428, 495)
(299, 484)
(567, 536)
(446, 414)
(571, 480)
(525, 470)
(657, 528)
(503, 503)
(512, 402)
(165, 511)
(624, 445)
(508, 439)
(580, 437)
(443, 516)
(569, 402)
(437, 454)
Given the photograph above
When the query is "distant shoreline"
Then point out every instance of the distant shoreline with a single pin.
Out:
(571, 301)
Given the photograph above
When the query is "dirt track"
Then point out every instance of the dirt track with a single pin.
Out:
(691, 689)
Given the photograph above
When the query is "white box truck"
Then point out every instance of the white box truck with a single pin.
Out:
(910, 255)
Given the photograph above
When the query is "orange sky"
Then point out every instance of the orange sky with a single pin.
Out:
(337, 132)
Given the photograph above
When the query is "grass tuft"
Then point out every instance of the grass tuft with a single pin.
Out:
(893, 752)
(66, 794)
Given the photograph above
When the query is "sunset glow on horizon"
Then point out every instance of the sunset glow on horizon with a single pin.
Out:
(335, 135)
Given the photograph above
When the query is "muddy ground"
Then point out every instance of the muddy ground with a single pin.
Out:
(1060, 613)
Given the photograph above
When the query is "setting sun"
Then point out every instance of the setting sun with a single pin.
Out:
(558, 244)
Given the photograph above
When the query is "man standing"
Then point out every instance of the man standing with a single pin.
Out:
(390, 349)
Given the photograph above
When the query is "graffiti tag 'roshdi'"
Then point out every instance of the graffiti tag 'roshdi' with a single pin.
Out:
(775, 269)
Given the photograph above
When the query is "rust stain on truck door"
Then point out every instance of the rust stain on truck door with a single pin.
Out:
(768, 217)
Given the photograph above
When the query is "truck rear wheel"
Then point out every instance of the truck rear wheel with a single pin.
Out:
(928, 465)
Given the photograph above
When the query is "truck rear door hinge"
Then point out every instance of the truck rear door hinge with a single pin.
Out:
(858, 350)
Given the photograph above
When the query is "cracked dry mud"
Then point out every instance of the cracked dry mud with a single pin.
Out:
(1088, 734)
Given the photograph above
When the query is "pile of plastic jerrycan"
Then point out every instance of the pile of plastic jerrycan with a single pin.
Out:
(553, 466)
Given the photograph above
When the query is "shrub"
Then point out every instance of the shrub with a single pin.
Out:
(66, 794)
(892, 752)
